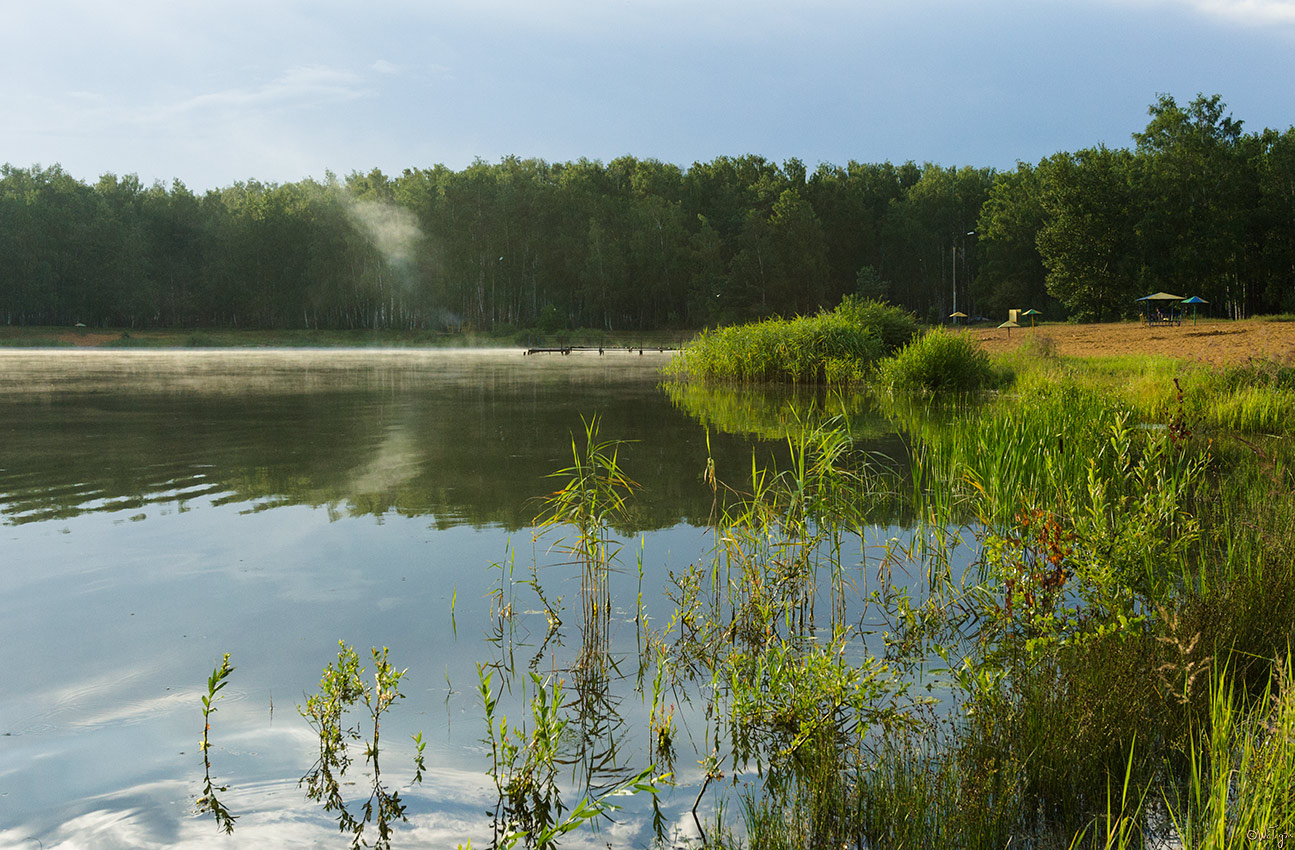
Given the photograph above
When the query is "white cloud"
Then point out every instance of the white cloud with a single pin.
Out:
(313, 85)
(1250, 12)
(382, 66)
(1254, 13)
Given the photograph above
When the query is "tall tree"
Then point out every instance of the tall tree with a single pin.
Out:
(1196, 189)
(1088, 241)
(1010, 220)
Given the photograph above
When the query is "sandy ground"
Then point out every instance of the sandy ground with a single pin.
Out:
(1215, 341)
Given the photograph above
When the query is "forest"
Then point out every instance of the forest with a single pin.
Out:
(1195, 206)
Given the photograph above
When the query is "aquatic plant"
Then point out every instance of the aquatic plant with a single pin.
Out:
(557, 732)
(894, 325)
(591, 500)
(208, 801)
(1121, 560)
(800, 350)
(1240, 781)
(341, 688)
(939, 361)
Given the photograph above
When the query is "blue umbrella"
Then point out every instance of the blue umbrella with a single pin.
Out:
(1194, 300)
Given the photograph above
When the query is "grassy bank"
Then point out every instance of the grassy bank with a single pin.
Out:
(840, 347)
(1117, 657)
(1099, 585)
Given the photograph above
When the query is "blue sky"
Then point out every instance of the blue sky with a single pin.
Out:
(214, 91)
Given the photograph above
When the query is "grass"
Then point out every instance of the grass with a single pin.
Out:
(836, 348)
(1117, 657)
(808, 349)
(938, 361)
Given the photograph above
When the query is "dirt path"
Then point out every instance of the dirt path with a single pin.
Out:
(1214, 341)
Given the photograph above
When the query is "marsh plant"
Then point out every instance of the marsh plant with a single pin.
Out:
(770, 630)
(570, 710)
(591, 500)
(1078, 643)
(939, 361)
(834, 348)
(209, 801)
(343, 688)
(1107, 661)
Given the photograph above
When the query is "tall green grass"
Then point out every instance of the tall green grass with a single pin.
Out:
(807, 349)
(1111, 658)
(894, 325)
(938, 361)
(833, 348)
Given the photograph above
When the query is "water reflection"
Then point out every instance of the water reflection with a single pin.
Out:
(290, 499)
(462, 438)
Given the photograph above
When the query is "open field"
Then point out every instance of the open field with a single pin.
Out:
(1214, 341)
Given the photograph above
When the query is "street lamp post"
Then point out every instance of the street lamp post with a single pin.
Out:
(955, 266)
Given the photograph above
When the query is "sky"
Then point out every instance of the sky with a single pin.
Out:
(211, 92)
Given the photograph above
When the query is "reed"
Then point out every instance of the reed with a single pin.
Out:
(1106, 657)
(1239, 788)
(940, 362)
(806, 349)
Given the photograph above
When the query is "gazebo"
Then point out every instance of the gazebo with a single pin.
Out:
(1160, 299)
(1195, 301)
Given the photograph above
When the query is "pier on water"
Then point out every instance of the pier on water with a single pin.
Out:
(601, 349)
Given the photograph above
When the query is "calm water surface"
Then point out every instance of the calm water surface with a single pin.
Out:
(162, 508)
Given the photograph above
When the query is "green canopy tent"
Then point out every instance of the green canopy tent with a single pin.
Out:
(1194, 301)
(1032, 313)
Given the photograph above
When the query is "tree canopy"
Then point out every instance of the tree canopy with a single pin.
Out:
(1195, 205)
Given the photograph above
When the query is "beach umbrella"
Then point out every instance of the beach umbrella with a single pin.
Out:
(1032, 313)
(1194, 300)
(1009, 324)
(957, 315)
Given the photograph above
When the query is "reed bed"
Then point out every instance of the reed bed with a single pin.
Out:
(839, 347)
(1112, 664)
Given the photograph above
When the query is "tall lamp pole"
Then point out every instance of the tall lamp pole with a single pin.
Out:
(955, 266)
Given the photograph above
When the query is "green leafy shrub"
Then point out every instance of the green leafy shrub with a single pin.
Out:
(795, 350)
(895, 325)
(939, 361)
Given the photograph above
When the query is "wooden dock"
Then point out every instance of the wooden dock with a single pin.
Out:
(628, 349)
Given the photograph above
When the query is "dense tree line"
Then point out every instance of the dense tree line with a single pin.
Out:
(1196, 206)
(630, 244)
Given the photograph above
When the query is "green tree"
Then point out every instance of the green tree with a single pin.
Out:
(1010, 220)
(1088, 241)
(1197, 189)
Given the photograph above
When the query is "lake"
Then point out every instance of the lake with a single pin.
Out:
(163, 508)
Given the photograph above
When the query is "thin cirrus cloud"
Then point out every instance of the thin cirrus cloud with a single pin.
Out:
(310, 86)
(1254, 12)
